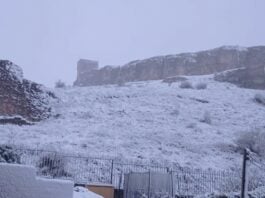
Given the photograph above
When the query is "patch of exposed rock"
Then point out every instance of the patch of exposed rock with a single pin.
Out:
(161, 67)
(21, 101)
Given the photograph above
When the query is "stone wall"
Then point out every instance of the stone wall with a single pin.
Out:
(161, 67)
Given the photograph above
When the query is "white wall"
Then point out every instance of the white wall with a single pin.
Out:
(17, 181)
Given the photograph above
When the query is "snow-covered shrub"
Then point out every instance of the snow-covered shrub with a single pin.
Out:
(53, 165)
(185, 85)
(120, 82)
(175, 112)
(259, 98)
(191, 125)
(9, 155)
(174, 79)
(206, 118)
(60, 84)
(201, 85)
(253, 140)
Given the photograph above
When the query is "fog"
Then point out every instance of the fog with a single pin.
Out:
(46, 38)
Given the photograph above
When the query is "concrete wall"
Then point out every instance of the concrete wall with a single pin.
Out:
(17, 181)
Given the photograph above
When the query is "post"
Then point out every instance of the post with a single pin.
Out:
(149, 185)
(172, 183)
(111, 173)
(244, 185)
(120, 180)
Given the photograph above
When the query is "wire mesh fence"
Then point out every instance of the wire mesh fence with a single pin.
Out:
(255, 171)
(85, 170)
(196, 182)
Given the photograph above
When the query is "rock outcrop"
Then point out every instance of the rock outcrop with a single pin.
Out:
(21, 101)
(161, 67)
(252, 72)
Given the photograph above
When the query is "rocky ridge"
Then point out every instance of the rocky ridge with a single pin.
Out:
(161, 67)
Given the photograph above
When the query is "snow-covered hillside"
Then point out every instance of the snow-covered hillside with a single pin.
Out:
(148, 121)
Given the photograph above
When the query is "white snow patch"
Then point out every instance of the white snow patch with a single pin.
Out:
(16, 71)
(18, 181)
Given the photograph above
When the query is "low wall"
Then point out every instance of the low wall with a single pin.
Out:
(17, 181)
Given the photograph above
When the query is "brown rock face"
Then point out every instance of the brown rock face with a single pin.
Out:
(161, 67)
(20, 97)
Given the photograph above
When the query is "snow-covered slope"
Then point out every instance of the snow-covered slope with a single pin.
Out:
(149, 121)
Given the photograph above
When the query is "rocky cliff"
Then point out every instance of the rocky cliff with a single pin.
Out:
(21, 101)
(252, 72)
(161, 67)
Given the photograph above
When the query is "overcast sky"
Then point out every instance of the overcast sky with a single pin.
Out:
(47, 37)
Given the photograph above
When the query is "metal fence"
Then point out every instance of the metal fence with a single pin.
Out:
(85, 170)
(149, 184)
(255, 171)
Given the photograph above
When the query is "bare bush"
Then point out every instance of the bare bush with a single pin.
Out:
(174, 79)
(201, 85)
(191, 125)
(259, 98)
(175, 112)
(9, 155)
(206, 118)
(186, 85)
(60, 84)
(253, 140)
(121, 83)
(53, 165)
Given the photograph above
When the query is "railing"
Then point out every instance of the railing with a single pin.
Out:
(85, 170)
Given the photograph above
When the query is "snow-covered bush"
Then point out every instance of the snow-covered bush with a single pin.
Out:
(259, 98)
(175, 112)
(185, 85)
(201, 85)
(191, 125)
(206, 118)
(9, 155)
(121, 82)
(53, 165)
(60, 84)
(253, 140)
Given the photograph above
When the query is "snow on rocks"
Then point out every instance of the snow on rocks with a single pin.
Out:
(20, 97)
(15, 71)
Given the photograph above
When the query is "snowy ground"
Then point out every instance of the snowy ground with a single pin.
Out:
(148, 120)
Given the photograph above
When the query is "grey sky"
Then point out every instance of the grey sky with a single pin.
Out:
(47, 37)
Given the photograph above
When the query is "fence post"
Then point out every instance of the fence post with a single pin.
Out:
(111, 173)
(149, 184)
(244, 185)
(172, 183)
(120, 180)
